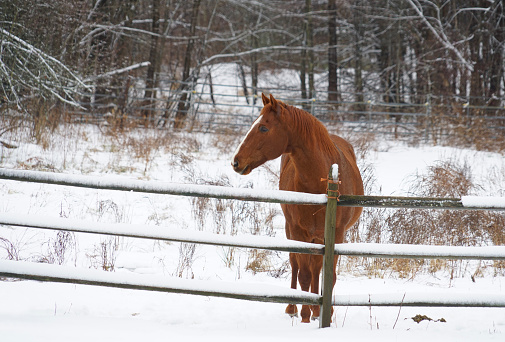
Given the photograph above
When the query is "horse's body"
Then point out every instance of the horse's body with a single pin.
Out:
(307, 152)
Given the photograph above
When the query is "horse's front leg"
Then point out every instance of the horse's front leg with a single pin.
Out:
(291, 309)
(316, 264)
(305, 279)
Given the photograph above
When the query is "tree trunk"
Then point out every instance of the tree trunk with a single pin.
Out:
(303, 69)
(183, 106)
(358, 59)
(307, 56)
(332, 52)
(254, 70)
(310, 45)
(243, 81)
(496, 55)
(154, 58)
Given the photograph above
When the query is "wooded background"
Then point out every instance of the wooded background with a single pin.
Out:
(52, 51)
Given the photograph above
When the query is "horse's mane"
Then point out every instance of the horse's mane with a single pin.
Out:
(309, 128)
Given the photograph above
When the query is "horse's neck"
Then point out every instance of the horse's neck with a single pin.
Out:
(312, 157)
(312, 165)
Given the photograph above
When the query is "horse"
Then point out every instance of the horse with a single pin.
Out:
(307, 151)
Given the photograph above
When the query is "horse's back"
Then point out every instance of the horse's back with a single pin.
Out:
(352, 183)
(345, 147)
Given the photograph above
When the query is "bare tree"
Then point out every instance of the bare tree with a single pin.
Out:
(26, 70)
(332, 52)
(404, 49)
(183, 106)
(154, 63)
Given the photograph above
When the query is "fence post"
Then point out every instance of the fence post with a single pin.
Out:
(329, 247)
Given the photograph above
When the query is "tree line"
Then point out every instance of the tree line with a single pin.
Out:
(52, 51)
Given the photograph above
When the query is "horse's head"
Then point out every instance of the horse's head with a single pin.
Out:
(267, 138)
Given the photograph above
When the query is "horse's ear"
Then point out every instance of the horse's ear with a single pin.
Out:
(274, 103)
(265, 99)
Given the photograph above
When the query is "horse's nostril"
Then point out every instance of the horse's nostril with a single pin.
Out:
(235, 164)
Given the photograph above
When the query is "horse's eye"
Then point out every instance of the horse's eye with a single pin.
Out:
(263, 129)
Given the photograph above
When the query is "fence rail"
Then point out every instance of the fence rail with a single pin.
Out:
(157, 233)
(61, 274)
(246, 194)
(56, 274)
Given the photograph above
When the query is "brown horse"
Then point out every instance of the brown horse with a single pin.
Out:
(308, 151)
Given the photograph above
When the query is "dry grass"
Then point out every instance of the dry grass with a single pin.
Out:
(59, 248)
(231, 217)
(458, 129)
(104, 254)
(430, 227)
(226, 141)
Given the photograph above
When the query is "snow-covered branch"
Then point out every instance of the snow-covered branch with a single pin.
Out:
(440, 34)
(27, 69)
(119, 71)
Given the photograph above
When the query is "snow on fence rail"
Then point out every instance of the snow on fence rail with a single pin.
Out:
(65, 274)
(246, 194)
(116, 183)
(159, 233)
(58, 274)
(257, 292)
(399, 251)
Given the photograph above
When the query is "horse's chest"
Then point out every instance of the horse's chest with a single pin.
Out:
(304, 222)
(290, 180)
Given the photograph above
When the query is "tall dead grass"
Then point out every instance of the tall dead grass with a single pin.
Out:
(232, 217)
(448, 178)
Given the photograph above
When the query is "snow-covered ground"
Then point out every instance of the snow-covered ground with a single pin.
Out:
(38, 311)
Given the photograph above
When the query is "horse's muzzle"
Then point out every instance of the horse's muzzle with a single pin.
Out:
(236, 167)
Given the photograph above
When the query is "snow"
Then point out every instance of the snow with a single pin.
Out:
(334, 171)
(262, 292)
(483, 202)
(116, 183)
(422, 252)
(157, 232)
(57, 312)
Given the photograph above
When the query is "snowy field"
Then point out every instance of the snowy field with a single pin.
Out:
(36, 311)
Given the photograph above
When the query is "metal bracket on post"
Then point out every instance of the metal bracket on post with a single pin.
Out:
(329, 247)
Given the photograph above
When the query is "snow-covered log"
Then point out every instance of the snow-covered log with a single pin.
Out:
(258, 242)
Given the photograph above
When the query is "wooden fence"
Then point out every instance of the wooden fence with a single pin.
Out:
(331, 200)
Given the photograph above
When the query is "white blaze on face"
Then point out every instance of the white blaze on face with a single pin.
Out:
(254, 125)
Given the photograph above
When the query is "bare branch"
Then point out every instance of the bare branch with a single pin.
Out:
(26, 68)
(118, 71)
(441, 37)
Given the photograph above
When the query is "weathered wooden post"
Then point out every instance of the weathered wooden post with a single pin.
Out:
(329, 247)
